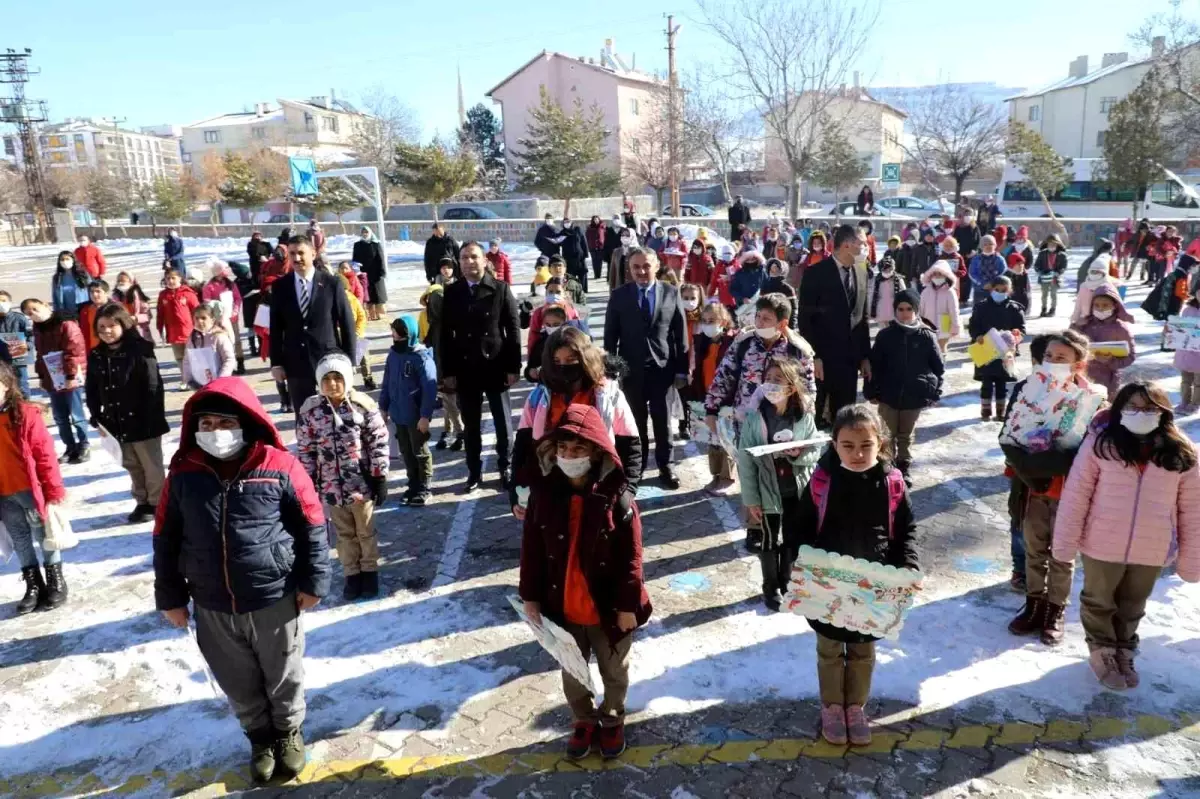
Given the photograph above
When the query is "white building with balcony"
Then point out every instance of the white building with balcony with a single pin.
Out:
(85, 143)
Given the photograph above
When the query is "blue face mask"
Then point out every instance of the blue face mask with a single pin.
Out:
(999, 296)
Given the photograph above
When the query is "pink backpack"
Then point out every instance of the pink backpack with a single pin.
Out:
(819, 485)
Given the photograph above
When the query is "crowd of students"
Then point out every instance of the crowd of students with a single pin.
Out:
(1125, 497)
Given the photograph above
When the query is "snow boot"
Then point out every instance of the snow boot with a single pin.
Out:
(1104, 665)
(985, 410)
(370, 584)
(1124, 658)
(241, 367)
(1054, 624)
(858, 727)
(289, 753)
(56, 588)
(352, 590)
(35, 588)
(1001, 408)
(262, 755)
(833, 724)
(1029, 620)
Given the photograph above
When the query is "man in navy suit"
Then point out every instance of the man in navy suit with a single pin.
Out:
(645, 325)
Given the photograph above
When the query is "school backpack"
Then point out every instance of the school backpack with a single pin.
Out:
(819, 485)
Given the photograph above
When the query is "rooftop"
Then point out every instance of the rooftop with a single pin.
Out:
(1071, 82)
(609, 63)
(263, 112)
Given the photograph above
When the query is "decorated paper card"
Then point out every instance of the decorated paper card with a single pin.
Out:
(17, 343)
(851, 593)
(202, 364)
(1182, 333)
(54, 365)
(110, 445)
(818, 440)
(1050, 413)
(559, 643)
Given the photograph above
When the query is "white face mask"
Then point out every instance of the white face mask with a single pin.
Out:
(221, 444)
(1140, 423)
(549, 329)
(710, 330)
(553, 298)
(673, 237)
(691, 305)
(938, 282)
(1102, 315)
(5, 307)
(574, 467)
(1058, 371)
(775, 392)
(626, 241)
(767, 333)
(858, 468)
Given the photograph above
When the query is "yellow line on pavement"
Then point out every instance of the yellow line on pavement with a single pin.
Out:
(214, 782)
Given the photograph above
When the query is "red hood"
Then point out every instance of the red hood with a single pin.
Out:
(586, 422)
(240, 393)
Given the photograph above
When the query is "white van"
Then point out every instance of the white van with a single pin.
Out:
(1087, 197)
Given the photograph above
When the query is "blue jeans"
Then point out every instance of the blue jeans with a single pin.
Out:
(1018, 549)
(67, 407)
(19, 515)
(22, 378)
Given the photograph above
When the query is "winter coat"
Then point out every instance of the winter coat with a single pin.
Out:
(369, 256)
(739, 214)
(543, 239)
(983, 269)
(37, 449)
(1188, 361)
(138, 308)
(719, 284)
(213, 290)
(1041, 471)
(760, 482)
(87, 324)
(939, 307)
(271, 270)
(747, 282)
(595, 236)
(436, 248)
(59, 335)
(409, 389)
(609, 546)
(480, 337)
(617, 274)
(1103, 246)
(16, 322)
(219, 340)
(778, 285)
(883, 293)
(1050, 264)
(1119, 514)
(355, 288)
(240, 545)
(501, 265)
(173, 251)
(1020, 288)
(536, 323)
(318, 239)
(855, 524)
(906, 368)
(1168, 295)
(91, 259)
(1025, 250)
(744, 366)
(125, 390)
(699, 270)
(1084, 295)
(257, 252)
(920, 258)
(986, 315)
(342, 447)
(574, 248)
(174, 315)
(1114, 328)
(698, 353)
(612, 242)
(66, 294)
(968, 237)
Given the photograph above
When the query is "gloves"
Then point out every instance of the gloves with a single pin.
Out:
(624, 509)
(378, 486)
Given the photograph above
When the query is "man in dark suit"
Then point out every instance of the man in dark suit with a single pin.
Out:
(833, 318)
(547, 239)
(310, 316)
(645, 325)
(439, 245)
(739, 214)
(480, 352)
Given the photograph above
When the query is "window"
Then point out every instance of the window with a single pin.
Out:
(258, 132)
(212, 137)
(141, 159)
(58, 141)
(1101, 135)
(156, 145)
(79, 138)
(187, 158)
(58, 158)
(633, 106)
(330, 124)
(42, 140)
(889, 138)
(10, 146)
(1035, 113)
(308, 122)
(1106, 104)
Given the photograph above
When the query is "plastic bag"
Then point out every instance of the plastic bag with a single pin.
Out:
(111, 447)
(59, 534)
(6, 544)
(674, 405)
(262, 317)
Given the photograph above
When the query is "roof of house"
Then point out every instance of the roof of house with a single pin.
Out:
(630, 75)
(1071, 82)
(277, 114)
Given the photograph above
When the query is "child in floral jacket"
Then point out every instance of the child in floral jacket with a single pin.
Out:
(342, 442)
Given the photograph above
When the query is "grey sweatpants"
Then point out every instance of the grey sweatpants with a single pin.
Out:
(258, 660)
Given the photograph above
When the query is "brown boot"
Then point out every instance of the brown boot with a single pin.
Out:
(985, 410)
(1029, 620)
(1001, 407)
(1054, 624)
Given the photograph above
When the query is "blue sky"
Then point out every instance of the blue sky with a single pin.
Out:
(153, 62)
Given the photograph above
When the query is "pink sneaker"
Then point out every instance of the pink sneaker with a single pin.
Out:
(860, 730)
(833, 724)
(1124, 658)
(1104, 665)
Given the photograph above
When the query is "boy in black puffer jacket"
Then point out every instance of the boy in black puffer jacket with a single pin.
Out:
(1001, 312)
(906, 375)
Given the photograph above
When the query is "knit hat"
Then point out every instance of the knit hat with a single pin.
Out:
(908, 295)
(726, 252)
(893, 238)
(1015, 258)
(334, 362)
(214, 404)
(1023, 232)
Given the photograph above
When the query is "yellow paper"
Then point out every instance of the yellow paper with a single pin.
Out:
(944, 323)
(983, 352)
(1117, 349)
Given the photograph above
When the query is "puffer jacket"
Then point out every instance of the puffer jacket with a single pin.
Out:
(214, 288)
(906, 368)
(37, 450)
(59, 335)
(760, 482)
(1115, 328)
(409, 388)
(939, 307)
(341, 447)
(983, 269)
(239, 545)
(609, 546)
(748, 280)
(1119, 514)
(174, 315)
(125, 390)
(744, 366)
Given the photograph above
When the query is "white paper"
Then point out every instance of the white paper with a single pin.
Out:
(559, 643)
(202, 364)
(54, 365)
(110, 445)
(262, 317)
(6, 544)
(818, 440)
(226, 299)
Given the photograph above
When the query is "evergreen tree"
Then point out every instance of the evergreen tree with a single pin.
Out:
(837, 164)
(1046, 172)
(482, 134)
(560, 152)
(433, 172)
(333, 196)
(1135, 147)
(241, 185)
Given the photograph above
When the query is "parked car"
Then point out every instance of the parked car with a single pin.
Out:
(690, 209)
(847, 209)
(911, 206)
(469, 212)
(285, 219)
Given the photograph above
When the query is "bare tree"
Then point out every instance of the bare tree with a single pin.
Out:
(792, 59)
(646, 157)
(1171, 38)
(388, 123)
(954, 134)
(716, 128)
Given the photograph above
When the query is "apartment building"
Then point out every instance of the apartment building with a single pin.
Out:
(82, 143)
(320, 127)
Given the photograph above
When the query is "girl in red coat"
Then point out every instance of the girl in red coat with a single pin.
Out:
(175, 305)
(581, 567)
(499, 262)
(699, 267)
(29, 481)
(722, 273)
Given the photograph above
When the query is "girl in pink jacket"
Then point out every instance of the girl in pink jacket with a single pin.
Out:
(1132, 496)
(939, 302)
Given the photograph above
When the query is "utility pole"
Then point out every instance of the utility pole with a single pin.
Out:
(673, 113)
(26, 115)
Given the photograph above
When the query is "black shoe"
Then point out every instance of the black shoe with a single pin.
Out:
(667, 476)
(35, 587)
(289, 753)
(418, 500)
(684, 433)
(369, 383)
(66, 456)
(241, 367)
(773, 602)
(754, 539)
(81, 455)
(472, 485)
(352, 590)
(56, 588)
(370, 584)
(262, 755)
(456, 444)
(142, 513)
(441, 443)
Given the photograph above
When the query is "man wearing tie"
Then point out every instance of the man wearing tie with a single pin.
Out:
(833, 318)
(310, 316)
(645, 325)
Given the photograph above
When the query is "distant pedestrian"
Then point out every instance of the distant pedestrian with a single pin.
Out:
(173, 249)
(368, 253)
